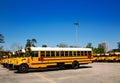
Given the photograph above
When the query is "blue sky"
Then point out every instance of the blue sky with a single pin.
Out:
(50, 22)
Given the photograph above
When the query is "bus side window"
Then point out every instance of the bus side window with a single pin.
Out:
(52, 53)
(89, 53)
(35, 54)
(66, 53)
(74, 52)
(47, 53)
(62, 53)
(85, 53)
(70, 53)
(42, 53)
(57, 53)
(82, 53)
(78, 53)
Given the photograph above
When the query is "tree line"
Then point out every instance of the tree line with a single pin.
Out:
(32, 43)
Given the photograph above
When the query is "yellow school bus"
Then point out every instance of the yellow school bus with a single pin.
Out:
(118, 56)
(41, 57)
(95, 57)
(5, 58)
(16, 55)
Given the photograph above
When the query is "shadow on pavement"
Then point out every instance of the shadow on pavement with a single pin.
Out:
(53, 69)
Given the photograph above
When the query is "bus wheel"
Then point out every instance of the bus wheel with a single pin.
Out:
(23, 68)
(60, 65)
(75, 65)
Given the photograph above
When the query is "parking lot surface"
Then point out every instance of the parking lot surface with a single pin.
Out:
(91, 73)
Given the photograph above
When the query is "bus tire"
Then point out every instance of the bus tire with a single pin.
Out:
(75, 65)
(23, 68)
(60, 65)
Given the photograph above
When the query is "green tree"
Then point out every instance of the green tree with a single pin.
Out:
(62, 45)
(44, 45)
(28, 43)
(98, 50)
(31, 43)
(73, 46)
(95, 51)
(101, 50)
(89, 45)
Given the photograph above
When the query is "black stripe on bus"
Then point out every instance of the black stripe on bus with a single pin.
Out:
(64, 58)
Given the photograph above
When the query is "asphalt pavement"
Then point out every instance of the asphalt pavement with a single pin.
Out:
(91, 73)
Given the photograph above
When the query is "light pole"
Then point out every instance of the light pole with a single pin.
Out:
(76, 24)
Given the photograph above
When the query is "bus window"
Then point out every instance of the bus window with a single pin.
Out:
(42, 53)
(89, 53)
(57, 53)
(52, 53)
(78, 53)
(66, 53)
(35, 54)
(62, 53)
(82, 53)
(85, 53)
(47, 53)
(70, 53)
(74, 52)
